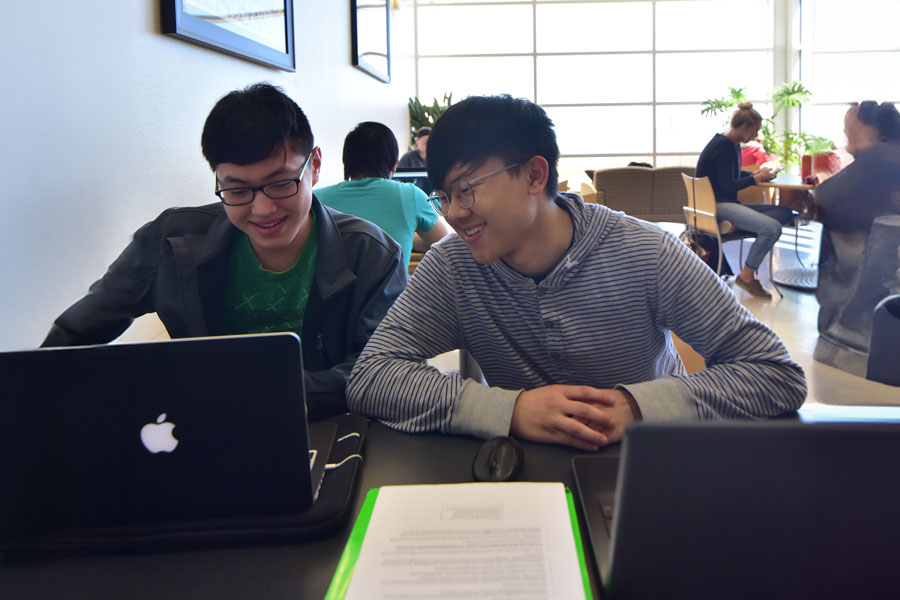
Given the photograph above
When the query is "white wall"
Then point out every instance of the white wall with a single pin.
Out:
(100, 121)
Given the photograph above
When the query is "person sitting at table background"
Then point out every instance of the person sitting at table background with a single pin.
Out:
(721, 162)
(849, 202)
(268, 257)
(400, 209)
(416, 156)
(566, 307)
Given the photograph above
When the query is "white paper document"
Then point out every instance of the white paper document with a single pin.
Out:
(469, 540)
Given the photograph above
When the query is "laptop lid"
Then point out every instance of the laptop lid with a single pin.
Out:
(762, 510)
(410, 172)
(127, 435)
(414, 175)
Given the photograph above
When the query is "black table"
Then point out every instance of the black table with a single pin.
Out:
(296, 570)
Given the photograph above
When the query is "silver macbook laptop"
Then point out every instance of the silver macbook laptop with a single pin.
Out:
(774, 509)
(155, 437)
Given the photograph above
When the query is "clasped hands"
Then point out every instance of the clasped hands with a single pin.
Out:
(575, 415)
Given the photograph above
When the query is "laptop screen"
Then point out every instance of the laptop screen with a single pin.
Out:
(132, 435)
(749, 509)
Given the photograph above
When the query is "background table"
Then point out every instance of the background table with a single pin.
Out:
(788, 181)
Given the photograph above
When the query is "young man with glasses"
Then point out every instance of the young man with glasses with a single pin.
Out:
(266, 257)
(566, 307)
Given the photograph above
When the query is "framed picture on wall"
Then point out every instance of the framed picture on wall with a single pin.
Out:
(370, 35)
(258, 30)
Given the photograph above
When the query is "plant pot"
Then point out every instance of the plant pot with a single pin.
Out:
(805, 166)
(822, 165)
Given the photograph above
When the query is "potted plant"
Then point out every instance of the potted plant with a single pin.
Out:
(820, 158)
(421, 115)
(786, 146)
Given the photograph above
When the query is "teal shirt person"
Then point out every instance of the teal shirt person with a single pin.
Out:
(400, 209)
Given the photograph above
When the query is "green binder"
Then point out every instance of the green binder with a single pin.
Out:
(344, 572)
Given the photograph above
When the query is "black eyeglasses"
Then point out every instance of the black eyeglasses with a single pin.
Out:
(276, 190)
(462, 192)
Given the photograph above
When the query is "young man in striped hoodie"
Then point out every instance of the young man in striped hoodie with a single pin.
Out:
(566, 306)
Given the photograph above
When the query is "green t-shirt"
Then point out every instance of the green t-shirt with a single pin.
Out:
(261, 301)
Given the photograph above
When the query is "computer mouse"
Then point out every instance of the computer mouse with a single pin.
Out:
(498, 459)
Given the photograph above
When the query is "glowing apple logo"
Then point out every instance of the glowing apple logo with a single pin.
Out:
(157, 437)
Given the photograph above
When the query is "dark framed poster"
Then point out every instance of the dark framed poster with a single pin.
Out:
(258, 30)
(370, 35)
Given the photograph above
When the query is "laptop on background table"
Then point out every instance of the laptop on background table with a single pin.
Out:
(408, 173)
(414, 175)
(769, 509)
(122, 443)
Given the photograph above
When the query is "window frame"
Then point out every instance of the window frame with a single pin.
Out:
(792, 52)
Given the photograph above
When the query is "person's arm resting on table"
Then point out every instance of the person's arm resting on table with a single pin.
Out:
(579, 416)
(392, 382)
(749, 373)
(430, 228)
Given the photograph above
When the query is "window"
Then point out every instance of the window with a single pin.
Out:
(850, 53)
(624, 80)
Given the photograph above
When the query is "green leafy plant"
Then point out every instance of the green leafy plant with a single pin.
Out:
(791, 95)
(716, 106)
(817, 144)
(786, 145)
(421, 115)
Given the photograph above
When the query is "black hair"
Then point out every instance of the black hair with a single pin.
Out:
(482, 127)
(246, 126)
(422, 132)
(884, 117)
(370, 150)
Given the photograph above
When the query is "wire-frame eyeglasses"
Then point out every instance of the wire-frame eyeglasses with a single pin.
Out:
(276, 190)
(462, 192)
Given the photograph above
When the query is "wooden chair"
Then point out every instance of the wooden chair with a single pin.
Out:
(414, 259)
(692, 360)
(651, 194)
(700, 215)
(755, 194)
(588, 193)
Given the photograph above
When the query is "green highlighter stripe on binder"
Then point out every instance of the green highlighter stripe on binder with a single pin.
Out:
(341, 580)
(340, 583)
(579, 549)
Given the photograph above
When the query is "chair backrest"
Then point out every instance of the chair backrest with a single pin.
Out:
(588, 193)
(884, 349)
(755, 195)
(629, 189)
(700, 211)
(668, 193)
(651, 194)
(414, 259)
